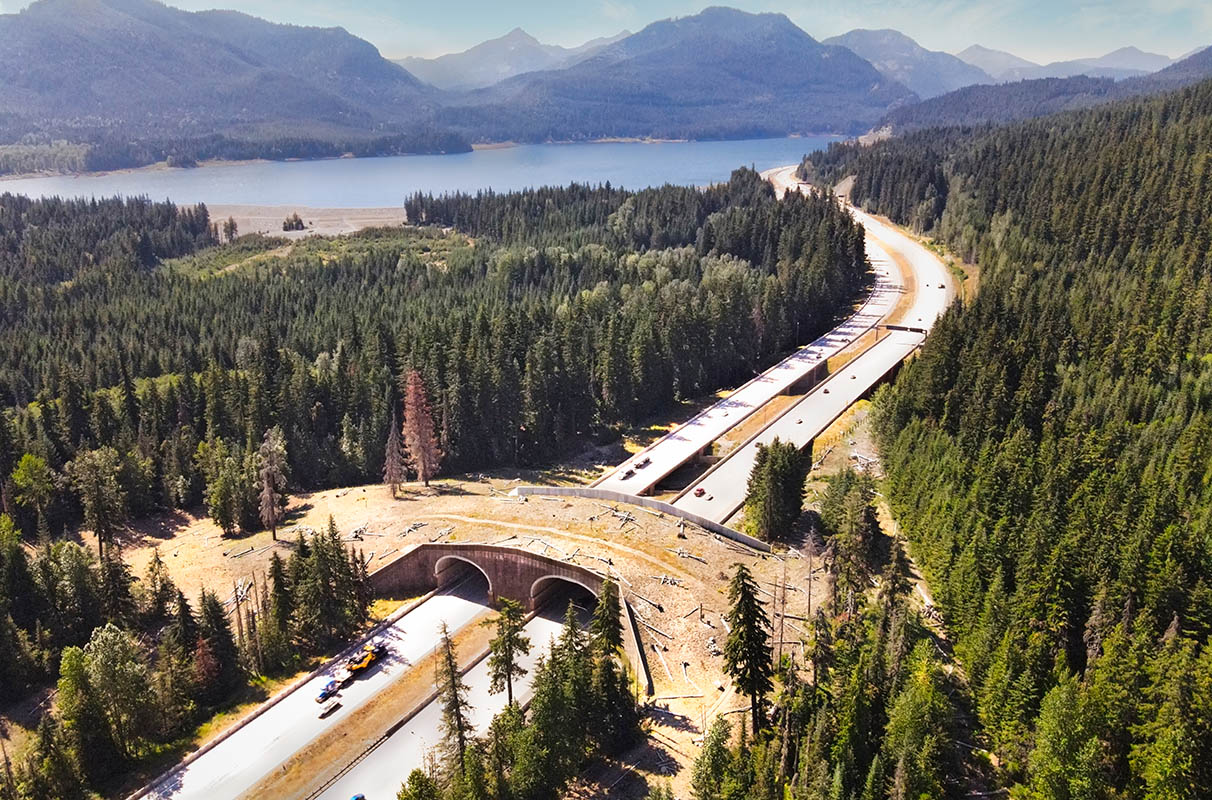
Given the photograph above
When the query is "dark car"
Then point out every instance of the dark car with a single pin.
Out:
(699, 492)
(328, 691)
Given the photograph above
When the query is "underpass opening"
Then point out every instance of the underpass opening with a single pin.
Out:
(470, 577)
(553, 593)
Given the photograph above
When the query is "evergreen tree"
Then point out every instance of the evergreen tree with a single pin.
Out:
(220, 645)
(419, 786)
(52, 770)
(506, 648)
(452, 695)
(775, 495)
(606, 627)
(707, 775)
(747, 651)
(94, 476)
(184, 626)
(156, 591)
(272, 470)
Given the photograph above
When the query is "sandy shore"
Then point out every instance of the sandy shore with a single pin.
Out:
(320, 221)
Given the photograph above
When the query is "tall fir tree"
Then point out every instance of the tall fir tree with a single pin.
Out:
(272, 468)
(452, 696)
(506, 648)
(748, 656)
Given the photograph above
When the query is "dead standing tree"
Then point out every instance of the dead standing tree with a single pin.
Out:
(420, 439)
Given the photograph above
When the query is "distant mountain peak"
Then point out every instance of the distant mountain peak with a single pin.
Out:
(495, 60)
(926, 72)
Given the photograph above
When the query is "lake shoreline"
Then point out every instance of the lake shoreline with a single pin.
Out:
(163, 166)
(387, 182)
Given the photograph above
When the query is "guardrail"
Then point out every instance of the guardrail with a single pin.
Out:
(645, 502)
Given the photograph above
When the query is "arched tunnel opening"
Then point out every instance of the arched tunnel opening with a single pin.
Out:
(551, 595)
(465, 578)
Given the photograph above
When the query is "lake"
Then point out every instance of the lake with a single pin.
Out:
(386, 182)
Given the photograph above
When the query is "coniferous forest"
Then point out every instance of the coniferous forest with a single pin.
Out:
(545, 318)
(1048, 453)
(149, 366)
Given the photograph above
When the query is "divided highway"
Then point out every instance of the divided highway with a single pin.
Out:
(691, 438)
(240, 761)
(378, 776)
(720, 492)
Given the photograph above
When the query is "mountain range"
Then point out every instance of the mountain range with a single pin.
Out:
(146, 68)
(1026, 99)
(1126, 62)
(144, 81)
(490, 62)
(927, 73)
(719, 74)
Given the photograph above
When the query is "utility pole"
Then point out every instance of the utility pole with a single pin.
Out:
(782, 612)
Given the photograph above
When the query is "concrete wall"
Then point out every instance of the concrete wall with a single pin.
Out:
(517, 574)
(645, 502)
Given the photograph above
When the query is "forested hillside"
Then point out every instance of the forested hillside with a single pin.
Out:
(1028, 99)
(548, 317)
(719, 74)
(1050, 452)
(135, 82)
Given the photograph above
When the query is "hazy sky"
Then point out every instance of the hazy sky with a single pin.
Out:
(1042, 30)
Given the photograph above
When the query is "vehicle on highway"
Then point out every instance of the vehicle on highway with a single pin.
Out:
(329, 707)
(330, 689)
(699, 492)
(628, 474)
(643, 463)
(826, 391)
(362, 659)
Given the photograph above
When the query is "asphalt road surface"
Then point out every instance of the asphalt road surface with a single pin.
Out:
(380, 774)
(723, 488)
(237, 763)
(687, 440)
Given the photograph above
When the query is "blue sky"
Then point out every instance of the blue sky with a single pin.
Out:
(1042, 30)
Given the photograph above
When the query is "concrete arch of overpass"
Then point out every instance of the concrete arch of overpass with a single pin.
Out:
(517, 574)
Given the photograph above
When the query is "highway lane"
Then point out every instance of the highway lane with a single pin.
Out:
(687, 440)
(237, 763)
(724, 486)
(379, 775)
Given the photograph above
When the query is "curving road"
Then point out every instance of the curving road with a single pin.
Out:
(720, 492)
(240, 761)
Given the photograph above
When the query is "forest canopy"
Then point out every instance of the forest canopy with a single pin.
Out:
(1049, 451)
(534, 320)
